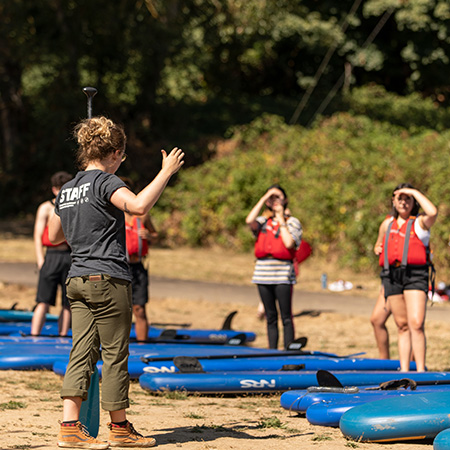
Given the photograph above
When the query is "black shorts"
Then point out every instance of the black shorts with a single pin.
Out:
(53, 273)
(398, 279)
(139, 285)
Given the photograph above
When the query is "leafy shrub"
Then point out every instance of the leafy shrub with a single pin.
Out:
(412, 112)
(339, 176)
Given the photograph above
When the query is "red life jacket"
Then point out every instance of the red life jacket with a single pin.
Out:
(303, 252)
(269, 243)
(46, 241)
(135, 244)
(417, 252)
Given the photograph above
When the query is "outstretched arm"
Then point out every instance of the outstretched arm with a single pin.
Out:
(141, 203)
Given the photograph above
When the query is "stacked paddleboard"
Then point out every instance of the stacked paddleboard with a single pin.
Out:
(20, 351)
(415, 406)
(413, 417)
(245, 374)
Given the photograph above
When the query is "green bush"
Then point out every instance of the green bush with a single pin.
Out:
(412, 112)
(339, 176)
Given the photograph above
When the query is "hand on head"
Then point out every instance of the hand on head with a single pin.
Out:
(273, 197)
(405, 191)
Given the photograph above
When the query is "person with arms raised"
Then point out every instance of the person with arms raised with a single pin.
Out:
(278, 236)
(89, 214)
(403, 249)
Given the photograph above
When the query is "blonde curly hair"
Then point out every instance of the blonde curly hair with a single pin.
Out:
(97, 138)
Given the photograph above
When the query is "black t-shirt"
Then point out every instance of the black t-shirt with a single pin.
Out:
(92, 225)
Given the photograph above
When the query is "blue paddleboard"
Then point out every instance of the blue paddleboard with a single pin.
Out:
(25, 354)
(179, 335)
(328, 414)
(442, 440)
(310, 363)
(409, 417)
(267, 381)
(301, 399)
(199, 335)
(15, 315)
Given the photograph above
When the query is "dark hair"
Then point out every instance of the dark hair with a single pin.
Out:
(277, 186)
(416, 206)
(97, 138)
(59, 179)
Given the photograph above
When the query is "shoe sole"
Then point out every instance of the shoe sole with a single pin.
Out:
(83, 445)
(150, 443)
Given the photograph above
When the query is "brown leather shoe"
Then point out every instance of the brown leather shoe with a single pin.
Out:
(77, 436)
(128, 437)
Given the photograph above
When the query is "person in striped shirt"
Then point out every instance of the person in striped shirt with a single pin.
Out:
(278, 236)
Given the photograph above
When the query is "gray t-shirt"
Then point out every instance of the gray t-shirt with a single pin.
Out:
(92, 225)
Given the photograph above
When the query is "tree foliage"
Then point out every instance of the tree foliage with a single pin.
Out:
(183, 72)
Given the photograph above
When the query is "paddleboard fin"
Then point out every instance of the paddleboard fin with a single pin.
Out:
(325, 378)
(227, 322)
(188, 364)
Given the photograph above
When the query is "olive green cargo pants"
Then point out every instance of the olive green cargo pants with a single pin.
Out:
(101, 316)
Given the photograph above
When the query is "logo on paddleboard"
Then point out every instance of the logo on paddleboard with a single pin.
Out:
(258, 384)
(163, 369)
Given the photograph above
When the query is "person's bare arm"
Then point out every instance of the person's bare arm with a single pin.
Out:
(378, 247)
(42, 217)
(141, 203)
(286, 237)
(254, 213)
(427, 219)
(55, 230)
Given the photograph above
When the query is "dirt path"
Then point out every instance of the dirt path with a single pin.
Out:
(25, 274)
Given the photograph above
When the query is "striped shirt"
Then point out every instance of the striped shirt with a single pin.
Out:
(276, 271)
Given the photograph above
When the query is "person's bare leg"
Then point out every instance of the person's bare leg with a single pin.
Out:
(416, 303)
(380, 314)
(140, 322)
(71, 408)
(118, 416)
(260, 313)
(64, 321)
(398, 308)
(38, 320)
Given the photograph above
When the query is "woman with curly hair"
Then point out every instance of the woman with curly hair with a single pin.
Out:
(90, 216)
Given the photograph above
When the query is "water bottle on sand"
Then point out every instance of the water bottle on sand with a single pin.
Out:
(324, 280)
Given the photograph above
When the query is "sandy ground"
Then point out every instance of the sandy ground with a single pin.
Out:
(30, 406)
